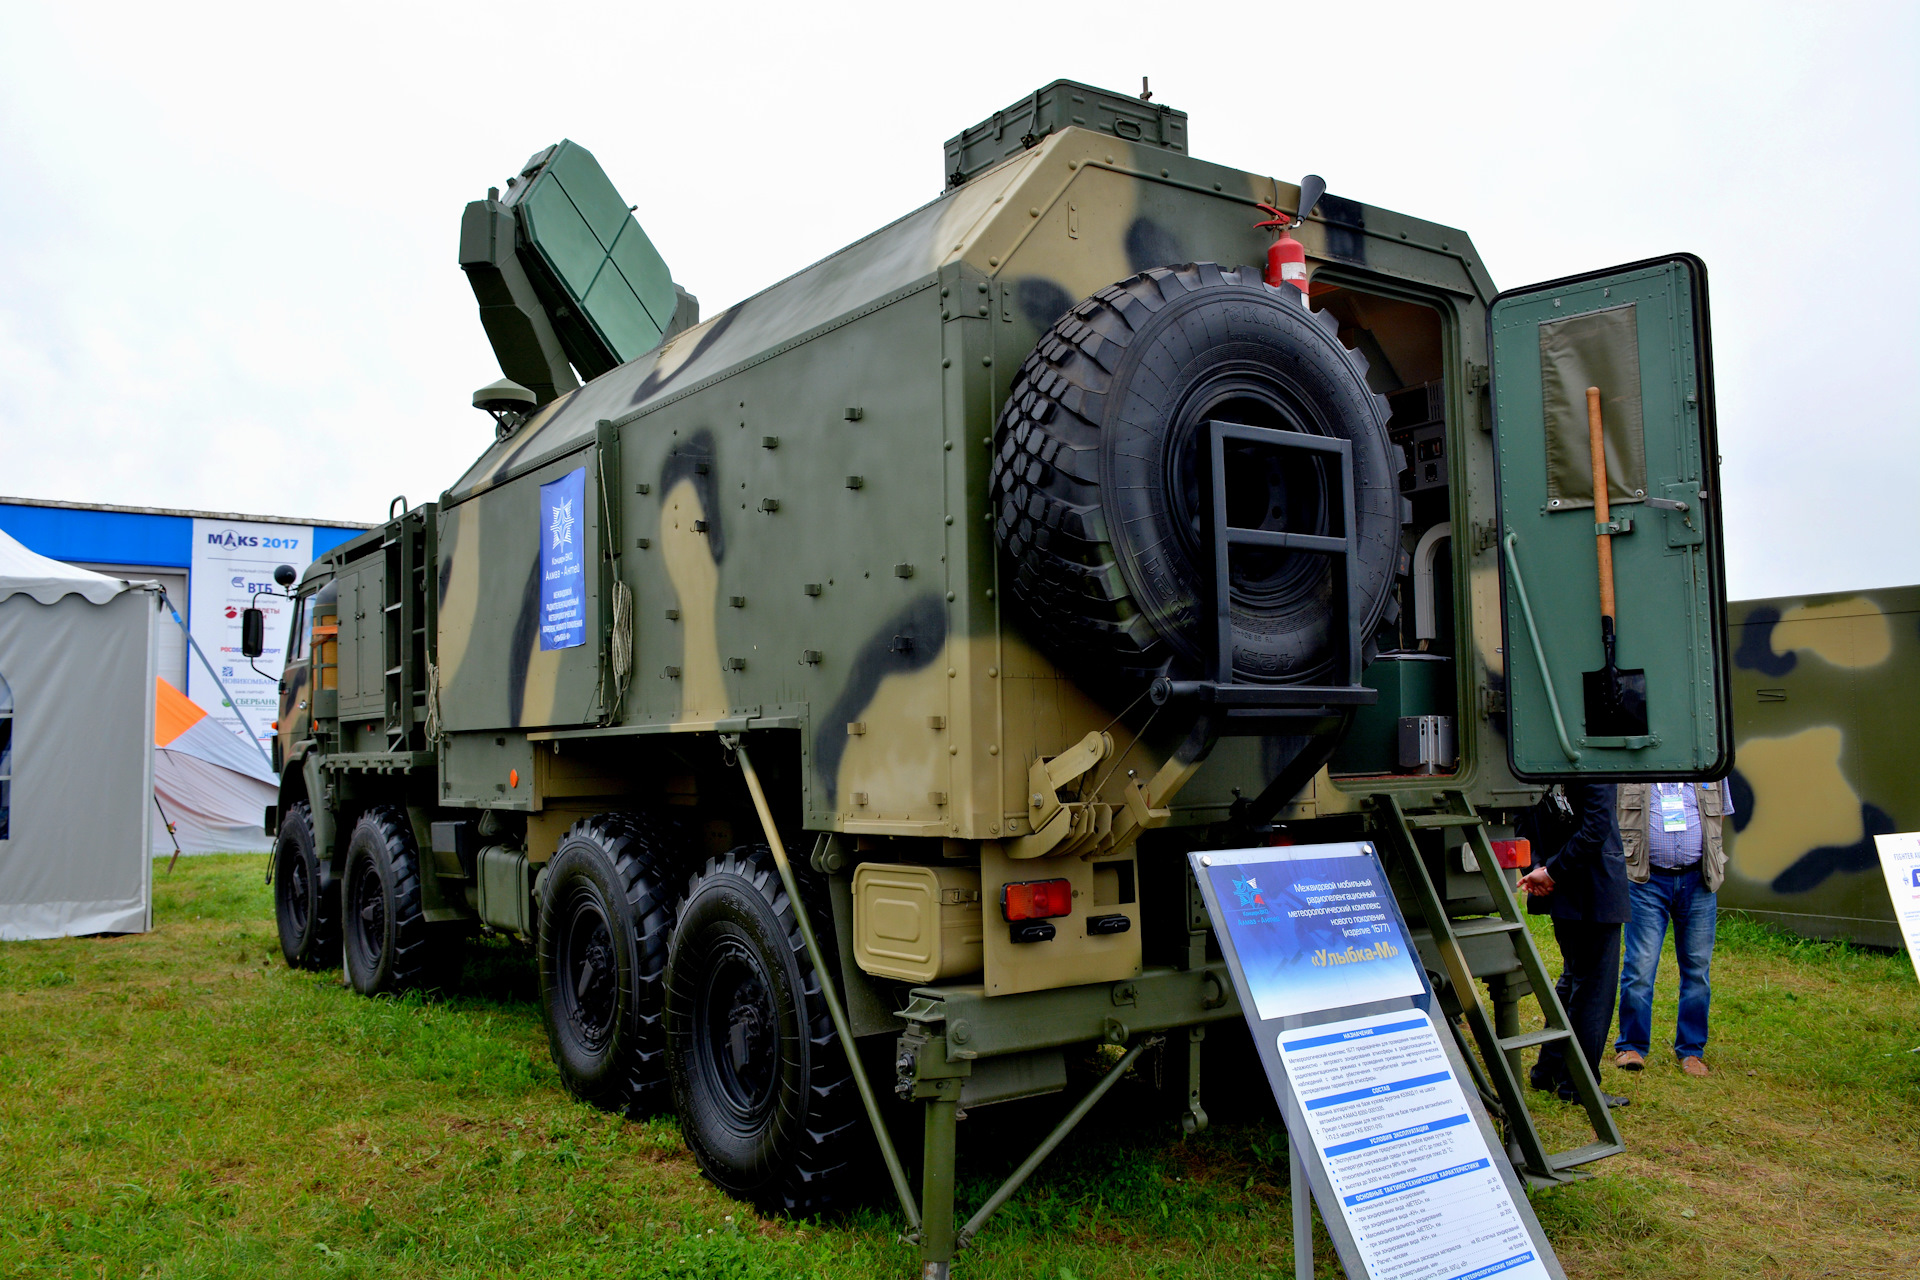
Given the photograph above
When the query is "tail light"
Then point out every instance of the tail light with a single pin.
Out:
(1036, 900)
(1512, 854)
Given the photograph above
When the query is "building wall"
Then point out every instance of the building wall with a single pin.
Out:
(155, 543)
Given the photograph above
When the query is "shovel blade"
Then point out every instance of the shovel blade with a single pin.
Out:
(1616, 702)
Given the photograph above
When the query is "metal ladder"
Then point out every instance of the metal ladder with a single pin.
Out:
(405, 608)
(1499, 1071)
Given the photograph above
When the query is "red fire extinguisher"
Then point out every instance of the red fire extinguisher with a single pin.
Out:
(1287, 257)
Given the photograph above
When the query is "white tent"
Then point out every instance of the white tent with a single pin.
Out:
(77, 655)
(212, 785)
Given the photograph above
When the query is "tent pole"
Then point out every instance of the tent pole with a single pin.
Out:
(237, 713)
(168, 824)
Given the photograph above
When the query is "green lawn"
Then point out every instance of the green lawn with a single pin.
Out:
(180, 1104)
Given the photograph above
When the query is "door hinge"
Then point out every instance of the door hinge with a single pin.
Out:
(1476, 375)
(1493, 702)
(1486, 535)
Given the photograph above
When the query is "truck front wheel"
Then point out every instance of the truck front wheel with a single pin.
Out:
(388, 944)
(605, 916)
(766, 1100)
(306, 898)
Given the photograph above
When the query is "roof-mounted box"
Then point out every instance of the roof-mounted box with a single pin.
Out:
(1060, 105)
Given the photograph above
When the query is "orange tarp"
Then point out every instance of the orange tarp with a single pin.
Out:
(173, 713)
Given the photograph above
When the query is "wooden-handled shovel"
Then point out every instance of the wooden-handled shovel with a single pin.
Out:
(1616, 700)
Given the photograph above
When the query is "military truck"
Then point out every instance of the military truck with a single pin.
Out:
(829, 689)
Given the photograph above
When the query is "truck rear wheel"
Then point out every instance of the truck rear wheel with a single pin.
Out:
(765, 1097)
(1097, 476)
(306, 898)
(605, 919)
(388, 944)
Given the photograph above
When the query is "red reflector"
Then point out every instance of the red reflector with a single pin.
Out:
(1037, 900)
(1513, 853)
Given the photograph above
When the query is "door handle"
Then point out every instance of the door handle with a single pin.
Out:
(1539, 654)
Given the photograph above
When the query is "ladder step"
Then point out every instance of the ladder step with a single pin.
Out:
(1481, 928)
(1442, 820)
(1531, 1038)
(1585, 1155)
(393, 671)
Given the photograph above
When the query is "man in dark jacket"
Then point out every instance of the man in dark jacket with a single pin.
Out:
(1581, 881)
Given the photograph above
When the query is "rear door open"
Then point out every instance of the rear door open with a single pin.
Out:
(1639, 335)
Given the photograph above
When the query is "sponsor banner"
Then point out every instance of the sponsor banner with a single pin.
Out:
(563, 594)
(233, 559)
(1900, 862)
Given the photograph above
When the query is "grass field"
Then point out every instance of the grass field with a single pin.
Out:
(180, 1104)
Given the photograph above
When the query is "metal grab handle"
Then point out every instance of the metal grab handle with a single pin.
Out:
(1539, 655)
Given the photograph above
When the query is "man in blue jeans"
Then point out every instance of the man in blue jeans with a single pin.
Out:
(1671, 835)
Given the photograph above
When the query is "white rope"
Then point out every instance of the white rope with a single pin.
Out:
(620, 645)
(433, 704)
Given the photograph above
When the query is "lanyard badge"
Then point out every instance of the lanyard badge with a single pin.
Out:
(1673, 812)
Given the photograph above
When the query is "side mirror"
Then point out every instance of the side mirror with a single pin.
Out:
(285, 576)
(253, 633)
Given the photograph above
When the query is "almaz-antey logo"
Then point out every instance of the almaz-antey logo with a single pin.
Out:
(1253, 907)
(563, 523)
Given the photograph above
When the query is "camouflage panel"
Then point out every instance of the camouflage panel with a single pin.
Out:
(1826, 699)
(803, 497)
(493, 672)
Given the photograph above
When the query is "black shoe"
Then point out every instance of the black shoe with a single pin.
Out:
(1566, 1093)
(1545, 1085)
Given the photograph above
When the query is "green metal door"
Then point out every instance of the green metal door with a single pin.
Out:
(362, 672)
(1638, 334)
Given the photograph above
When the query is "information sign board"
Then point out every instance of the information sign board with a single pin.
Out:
(1900, 863)
(1402, 1160)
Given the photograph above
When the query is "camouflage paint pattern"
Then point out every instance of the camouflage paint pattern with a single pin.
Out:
(1826, 706)
(803, 497)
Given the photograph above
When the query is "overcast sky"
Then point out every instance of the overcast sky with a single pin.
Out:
(228, 272)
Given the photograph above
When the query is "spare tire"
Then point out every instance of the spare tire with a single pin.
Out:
(1097, 493)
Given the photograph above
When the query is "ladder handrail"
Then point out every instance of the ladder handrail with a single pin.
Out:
(1586, 1084)
(1541, 1164)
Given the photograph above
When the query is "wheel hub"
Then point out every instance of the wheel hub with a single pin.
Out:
(370, 912)
(589, 972)
(298, 882)
(740, 1031)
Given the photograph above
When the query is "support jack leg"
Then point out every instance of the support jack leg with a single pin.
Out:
(936, 1184)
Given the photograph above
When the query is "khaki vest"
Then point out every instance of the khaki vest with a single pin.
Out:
(1636, 815)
